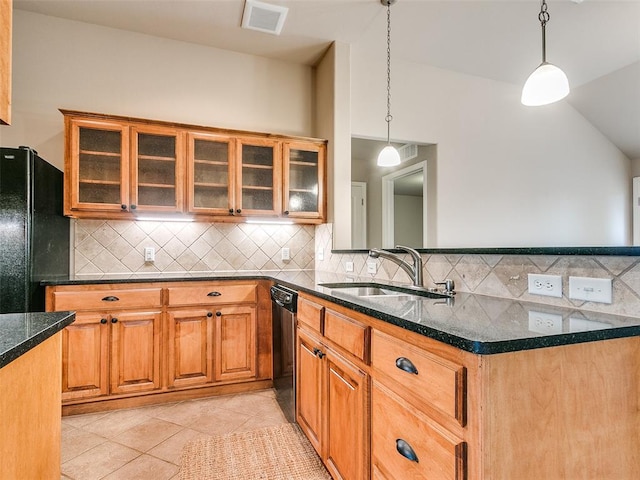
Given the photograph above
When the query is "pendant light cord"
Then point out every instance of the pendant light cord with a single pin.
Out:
(388, 118)
(544, 17)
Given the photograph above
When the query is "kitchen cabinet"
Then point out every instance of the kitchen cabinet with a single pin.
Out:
(120, 167)
(304, 180)
(332, 390)
(439, 412)
(113, 350)
(6, 22)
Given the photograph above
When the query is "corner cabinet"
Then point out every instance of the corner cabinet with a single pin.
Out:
(120, 168)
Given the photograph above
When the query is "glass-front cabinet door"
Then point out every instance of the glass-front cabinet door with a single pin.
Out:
(98, 165)
(258, 177)
(210, 174)
(157, 176)
(304, 181)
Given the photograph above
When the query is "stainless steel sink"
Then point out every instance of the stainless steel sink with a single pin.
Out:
(381, 290)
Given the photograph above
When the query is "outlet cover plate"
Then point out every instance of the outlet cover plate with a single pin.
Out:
(590, 289)
(541, 322)
(547, 285)
(348, 266)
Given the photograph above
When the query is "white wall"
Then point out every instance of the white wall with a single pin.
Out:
(65, 64)
(508, 175)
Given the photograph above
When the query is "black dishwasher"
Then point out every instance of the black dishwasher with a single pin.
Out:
(285, 305)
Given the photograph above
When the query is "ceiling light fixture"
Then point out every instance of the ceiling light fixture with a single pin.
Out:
(389, 156)
(547, 83)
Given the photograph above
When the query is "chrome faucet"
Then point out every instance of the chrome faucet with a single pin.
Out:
(414, 271)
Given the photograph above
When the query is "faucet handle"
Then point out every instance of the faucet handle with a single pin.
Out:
(449, 285)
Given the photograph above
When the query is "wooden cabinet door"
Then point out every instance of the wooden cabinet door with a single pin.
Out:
(157, 169)
(96, 166)
(258, 177)
(135, 352)
(310, 396)
(210, 174)
(235, 343)
(190, 347)
(347, 447)
(304, 180)
(6, 15)
(85, 357)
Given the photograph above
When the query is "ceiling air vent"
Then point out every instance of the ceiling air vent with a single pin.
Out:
(263, 17)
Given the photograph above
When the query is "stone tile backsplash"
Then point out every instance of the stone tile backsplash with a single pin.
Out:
(116, 247)
(502, 276)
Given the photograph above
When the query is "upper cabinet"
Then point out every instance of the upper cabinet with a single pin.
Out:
(117, 167)
(5, 61)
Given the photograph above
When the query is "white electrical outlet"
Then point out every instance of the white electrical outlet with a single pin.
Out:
(541, 322)
(590, 289)
(286, 254)
(321, 254)
(372, 267)
(348, 266)
(149, 254)
(548, 285)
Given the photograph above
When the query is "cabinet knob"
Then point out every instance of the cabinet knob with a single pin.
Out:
(114, 320)
(318, 353)
(209, 314)
(238, 210)
(123, 207)
(103, 321)
(286, 212)
(407, 365)
(133, 207)
(406, 451)
(218, 314)
(231, 211)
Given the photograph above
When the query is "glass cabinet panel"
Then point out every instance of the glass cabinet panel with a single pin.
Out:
(156, 171)
(98, 166)
(259, 175)
(304, 167)
(210, 174)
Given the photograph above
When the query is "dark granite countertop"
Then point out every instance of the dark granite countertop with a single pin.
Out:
(475, 323)
(20, 332)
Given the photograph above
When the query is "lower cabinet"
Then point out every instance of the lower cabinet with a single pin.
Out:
(112, 353)
(332, 402)
(131, 339)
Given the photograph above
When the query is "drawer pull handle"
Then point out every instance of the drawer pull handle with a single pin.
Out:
(213, 294)
(407, 365)
(406, 451)
(110, 298)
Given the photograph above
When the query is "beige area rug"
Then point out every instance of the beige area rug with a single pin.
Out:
(273, 453)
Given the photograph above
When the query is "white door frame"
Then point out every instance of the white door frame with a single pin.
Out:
(388, 203)
(363, 216)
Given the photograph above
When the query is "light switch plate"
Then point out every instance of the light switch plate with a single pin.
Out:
(591, 289)
(372, 267)
(348, 266)
(286, 254)
(149, 254)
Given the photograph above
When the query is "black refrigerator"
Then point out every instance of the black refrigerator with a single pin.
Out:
(34, 233)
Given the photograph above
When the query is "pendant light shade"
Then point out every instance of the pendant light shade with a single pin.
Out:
(389, 156)
(547, 83)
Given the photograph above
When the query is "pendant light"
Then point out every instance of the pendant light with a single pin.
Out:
(547, 83)
(389, 156)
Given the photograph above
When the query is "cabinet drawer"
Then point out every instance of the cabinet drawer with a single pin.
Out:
(433, 380)
(310, 313)
(347, 333)
(106, 299)
(211, 294)
(406, 444)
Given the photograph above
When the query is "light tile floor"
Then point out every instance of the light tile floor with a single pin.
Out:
(145, 443)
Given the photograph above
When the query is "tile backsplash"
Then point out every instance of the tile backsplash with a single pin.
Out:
(504, 276)
(116, 247)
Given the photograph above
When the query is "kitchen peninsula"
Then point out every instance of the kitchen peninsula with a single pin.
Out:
(496, 393)
(30, 369)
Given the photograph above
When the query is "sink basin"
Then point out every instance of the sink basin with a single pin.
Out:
(379, 290)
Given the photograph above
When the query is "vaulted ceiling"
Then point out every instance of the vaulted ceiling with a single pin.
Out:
(596, 42)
